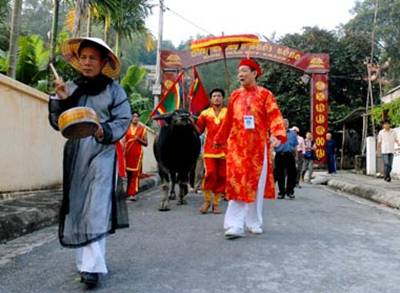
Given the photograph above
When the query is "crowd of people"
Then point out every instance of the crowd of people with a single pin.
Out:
(245, 145)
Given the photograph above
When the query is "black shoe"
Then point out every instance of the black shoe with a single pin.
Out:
(291, 195)
(281, 196)
(90, 279)
(389, 179)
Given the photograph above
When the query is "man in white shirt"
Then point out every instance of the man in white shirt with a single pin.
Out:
(386, 139)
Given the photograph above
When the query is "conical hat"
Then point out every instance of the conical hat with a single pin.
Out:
(69, 50)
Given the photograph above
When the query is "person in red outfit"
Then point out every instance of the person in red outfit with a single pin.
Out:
(209, 122)
(252, 124)
(135, 138)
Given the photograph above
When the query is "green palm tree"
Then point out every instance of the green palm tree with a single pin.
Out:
(14, 35)
(82, 7)
(131, 84)
(54, 29)
(4, 29)
(130, 20)
(126, 20)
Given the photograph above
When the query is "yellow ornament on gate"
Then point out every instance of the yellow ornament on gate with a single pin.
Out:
(320, 153)
(320, 119)
(320, 85)
(320, 130)
(320, 97)
(320, 107)
(320, 141)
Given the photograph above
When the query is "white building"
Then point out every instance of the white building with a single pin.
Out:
(150, 76)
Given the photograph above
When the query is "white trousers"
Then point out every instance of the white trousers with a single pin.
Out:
(240, 214)
(92, 257)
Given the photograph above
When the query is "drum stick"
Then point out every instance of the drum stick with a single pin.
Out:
(54, 71)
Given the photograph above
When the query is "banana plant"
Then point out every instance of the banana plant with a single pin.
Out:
(131, 84)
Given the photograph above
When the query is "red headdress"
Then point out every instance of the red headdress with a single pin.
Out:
(252, 64)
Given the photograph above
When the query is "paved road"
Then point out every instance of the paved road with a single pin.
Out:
(320, 242)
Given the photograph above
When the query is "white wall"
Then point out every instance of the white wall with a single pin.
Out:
(149, 161)
(371, 155)
(30, 150)
(396, 157)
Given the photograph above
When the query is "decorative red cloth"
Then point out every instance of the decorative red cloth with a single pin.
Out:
(134, 157)
(245, 147)
(210, 123)
(215, 175)
(133, 148)
(120, 159)
(252, 64)
(133, 182)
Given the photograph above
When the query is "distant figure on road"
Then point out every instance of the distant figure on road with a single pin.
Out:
(301, 149)
(285, 164)
(92, 206)
(331, 153)
(253, 115)
(210, 121)
(386, 139)
(135, 138)
(309, 157)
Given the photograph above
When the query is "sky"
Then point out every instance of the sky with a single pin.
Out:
(262, 17)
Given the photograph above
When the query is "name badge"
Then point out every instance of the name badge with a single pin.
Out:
(249, 122)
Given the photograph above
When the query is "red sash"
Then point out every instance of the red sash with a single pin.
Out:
(134, 152)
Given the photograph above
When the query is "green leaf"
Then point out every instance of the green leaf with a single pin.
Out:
(132, 79)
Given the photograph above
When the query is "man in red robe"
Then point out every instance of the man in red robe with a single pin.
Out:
(135, 138)
(210, 121)
(252, 124)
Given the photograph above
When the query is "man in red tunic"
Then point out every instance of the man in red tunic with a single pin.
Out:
(253, 122)
(135, 138)
(210, 121)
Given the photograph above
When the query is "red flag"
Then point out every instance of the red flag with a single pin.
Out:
(197, 95)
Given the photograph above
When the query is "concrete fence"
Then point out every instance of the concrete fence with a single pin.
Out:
(374, 159)
(30, 150)
(149, 161)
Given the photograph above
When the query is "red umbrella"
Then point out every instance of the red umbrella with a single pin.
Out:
(223, 42)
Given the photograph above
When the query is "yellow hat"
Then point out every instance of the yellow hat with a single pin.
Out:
(69, 50)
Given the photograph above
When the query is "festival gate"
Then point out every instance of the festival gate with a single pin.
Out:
(316, 65)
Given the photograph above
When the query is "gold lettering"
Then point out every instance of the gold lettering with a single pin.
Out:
(267, 48)
(292, 55)
(320, 130)
(320, 96)
(286, 52)
(320, 119)
(320, 141)
(320, 107)
(320, 153)
(320, 85)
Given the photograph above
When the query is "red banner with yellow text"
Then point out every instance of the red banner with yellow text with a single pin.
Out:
(319, 113)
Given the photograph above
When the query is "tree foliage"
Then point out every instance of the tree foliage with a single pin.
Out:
(387, 35)
(4, 24)
(138, 100)
(347, 89)
(392, 110)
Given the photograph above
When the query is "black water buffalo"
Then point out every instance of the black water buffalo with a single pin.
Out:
(176, 149)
